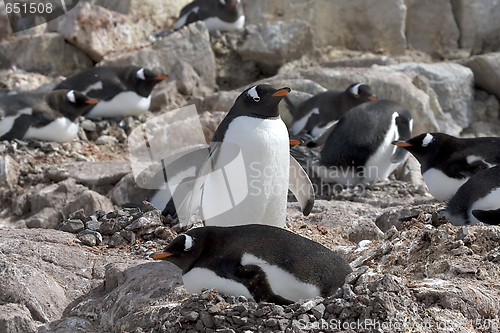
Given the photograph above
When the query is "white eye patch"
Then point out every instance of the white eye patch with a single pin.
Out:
(188, 243)
(428, 139)
(355, 89)
(140, 74)
(253, 93)
(71, 96)
(222, 2)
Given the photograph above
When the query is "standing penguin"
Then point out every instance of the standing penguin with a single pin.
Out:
(248, 170)
(359, 147)
(448, 162)
(314, 114)
(42, 116)
(476, 200)
(122, 90)
(267, 263)
(223, 15)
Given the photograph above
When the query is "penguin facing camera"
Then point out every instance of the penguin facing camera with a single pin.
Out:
(359, 149)
(248, 169)
(223, 15)
(122, 90)
(314, 116)
(46, 116)
(448, 162)
(478, 200)
(267, 263)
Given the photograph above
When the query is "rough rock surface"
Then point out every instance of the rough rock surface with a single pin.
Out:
(54, 56)
(190, 44)
(98, 31)
(486, 69)
(431, 26)
(275, 43)
(338, 22)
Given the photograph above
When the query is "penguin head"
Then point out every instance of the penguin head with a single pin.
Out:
(182, 251)
(260, 101)
(145, 80)
(422, 146)
(229, 3)
(361, 92)
(70, 103)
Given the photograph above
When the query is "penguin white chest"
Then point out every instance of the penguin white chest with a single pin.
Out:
(440, 185)
(127, 103)
(489, 202)
(60, 130)
(262, 179)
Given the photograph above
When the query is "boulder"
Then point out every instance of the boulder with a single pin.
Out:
(97, 31)
(91, 174)
(5, 28)
(54, 56)
(18, 80)
(474, 18)
(379, 25)
(486, 69)
(127, 191)
(16, 318)
(431, 26)
(45, 270)
(158, 12)
(190, 44)
(453, 84)
(386, 84)
(275, 43)
(187, 80)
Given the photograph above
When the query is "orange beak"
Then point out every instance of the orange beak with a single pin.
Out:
(92, 101)
(161, 77)
(234, 3)
(402, 144)
(373, 98)
(160, 255)
(295, 142)
(282, 92)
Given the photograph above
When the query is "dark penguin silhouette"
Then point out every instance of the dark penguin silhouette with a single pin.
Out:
(448, 162)
(42, 116)
(267, 263)
(224, 15)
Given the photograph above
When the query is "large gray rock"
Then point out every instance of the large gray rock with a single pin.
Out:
(45, 270)
(474, 18)
(431, 26)
(453, 84)
(91, 174)
(350, 23)
(486, 70)
(190, 44)
(16, 318)
(19, 80)
(98, 31)
(158, 12)
(386, 84)
(275, 43)
(127, 191)
(48, 54)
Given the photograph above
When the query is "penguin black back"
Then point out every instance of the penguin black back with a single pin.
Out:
(242, 254)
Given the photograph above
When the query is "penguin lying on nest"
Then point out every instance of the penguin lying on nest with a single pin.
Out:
(42, 116)
(267, 263)
(359, 149)
(243, 178)
(448, 162)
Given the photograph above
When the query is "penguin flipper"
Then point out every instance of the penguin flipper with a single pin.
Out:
(301, 186)
(291, 107)
(255, 279)
(487, 216)
(20, 127)
(399, 155)
(404, 126)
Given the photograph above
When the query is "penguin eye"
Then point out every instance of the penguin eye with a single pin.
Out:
(256, 99)
(356, 95)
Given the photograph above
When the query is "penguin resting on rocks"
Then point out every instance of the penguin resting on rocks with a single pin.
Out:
(267, 263)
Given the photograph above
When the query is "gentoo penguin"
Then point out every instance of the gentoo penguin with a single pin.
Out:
(267, 263)
(42, 116)
(245, 176)
(476, 200)
(448, 162)
(314, 114)
(359, 149)
(223, 15)
(122, 90)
